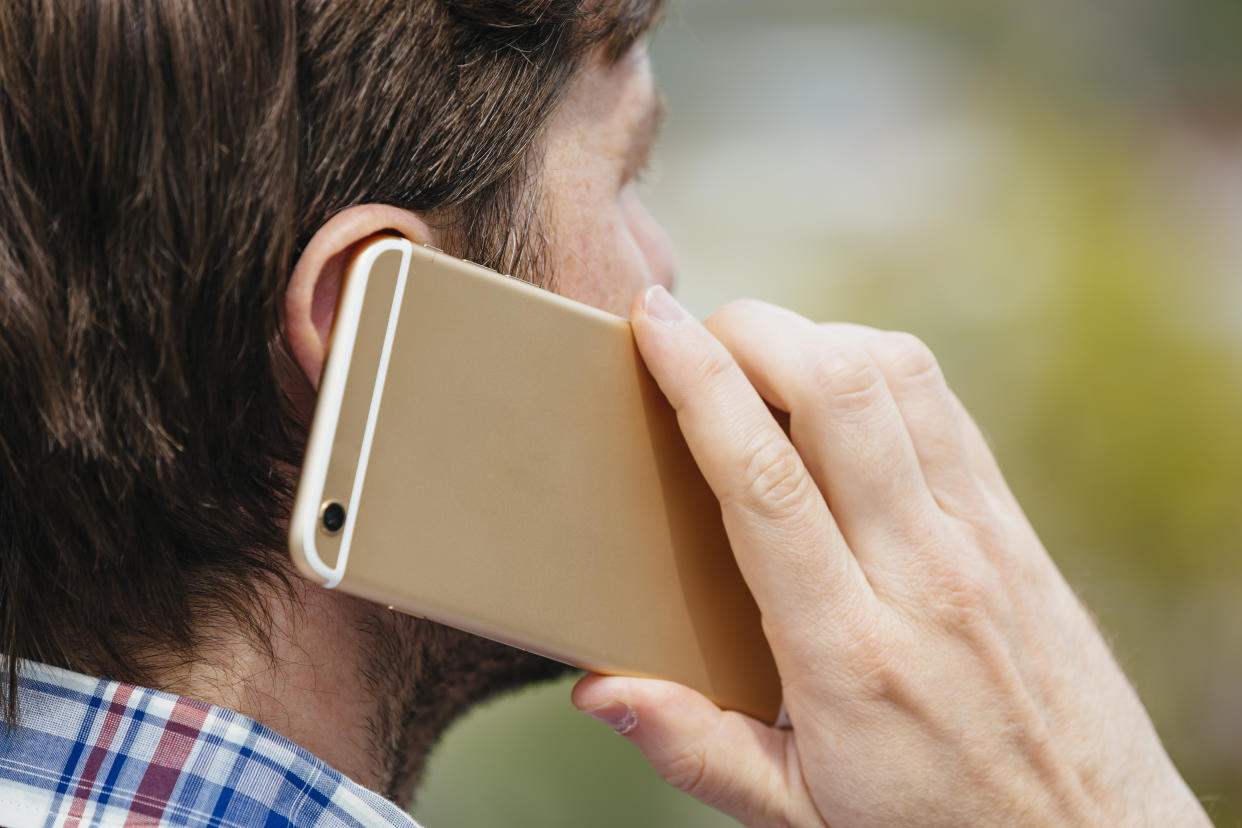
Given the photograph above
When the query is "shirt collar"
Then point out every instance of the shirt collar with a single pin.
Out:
(96, 752)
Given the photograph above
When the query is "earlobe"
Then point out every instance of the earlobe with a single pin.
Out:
(315, 285)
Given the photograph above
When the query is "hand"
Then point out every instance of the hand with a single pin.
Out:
(936, 667)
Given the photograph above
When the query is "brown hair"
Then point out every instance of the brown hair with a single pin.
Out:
(161, 164)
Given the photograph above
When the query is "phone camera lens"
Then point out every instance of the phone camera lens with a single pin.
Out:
(332, 517)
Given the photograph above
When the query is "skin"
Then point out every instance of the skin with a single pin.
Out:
(368, 690)
(936, 667)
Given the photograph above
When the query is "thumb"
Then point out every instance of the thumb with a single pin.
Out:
(726, 760)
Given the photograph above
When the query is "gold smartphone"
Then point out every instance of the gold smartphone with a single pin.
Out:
(495, 457)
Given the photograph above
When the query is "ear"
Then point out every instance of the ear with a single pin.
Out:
(315, 286)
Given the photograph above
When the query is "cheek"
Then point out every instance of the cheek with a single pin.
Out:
(607, 250)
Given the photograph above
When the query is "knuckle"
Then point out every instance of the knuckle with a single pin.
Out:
(994, 540)
(963, 498)
(907, 358)
(962, 599)
(713, 369)
(881, 678)
(775, 481)
(879, 664)
(988, 532)
(921, 532)
(687, 771)
(866, 645)
(846, 377)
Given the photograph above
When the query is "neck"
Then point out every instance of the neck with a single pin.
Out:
(312, 686)
(366, 689)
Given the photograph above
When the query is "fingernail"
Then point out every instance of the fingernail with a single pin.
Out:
(616, 715)
(660, 304)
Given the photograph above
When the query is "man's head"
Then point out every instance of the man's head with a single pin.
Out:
(179, 187)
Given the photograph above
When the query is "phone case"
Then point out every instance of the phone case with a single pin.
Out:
(495, 457)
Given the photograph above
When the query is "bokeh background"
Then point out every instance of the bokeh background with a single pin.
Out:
(1050, 194)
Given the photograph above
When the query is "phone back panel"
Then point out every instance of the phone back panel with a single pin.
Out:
(507, 466)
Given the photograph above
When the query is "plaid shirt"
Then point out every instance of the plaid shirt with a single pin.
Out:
(100, 753)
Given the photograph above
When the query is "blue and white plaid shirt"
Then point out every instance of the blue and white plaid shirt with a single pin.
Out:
(100, 753)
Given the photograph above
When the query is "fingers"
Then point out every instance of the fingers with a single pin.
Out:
(787, 545)
(844, 421)
(725, 760)
(905, 372)
(932, 416)
(980, 457)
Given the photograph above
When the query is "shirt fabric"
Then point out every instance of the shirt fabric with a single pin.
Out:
(91, 752)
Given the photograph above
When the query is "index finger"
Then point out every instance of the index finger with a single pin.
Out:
(786, 542)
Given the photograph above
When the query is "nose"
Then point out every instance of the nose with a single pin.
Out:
(655, 244)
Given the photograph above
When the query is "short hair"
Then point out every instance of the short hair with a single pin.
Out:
(162, 163)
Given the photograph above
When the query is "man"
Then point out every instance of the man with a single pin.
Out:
(181, 188)
(165, 169)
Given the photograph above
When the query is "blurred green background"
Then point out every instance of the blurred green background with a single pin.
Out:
(1050, 194)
